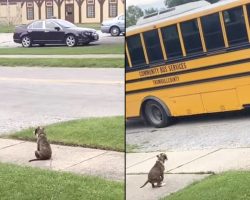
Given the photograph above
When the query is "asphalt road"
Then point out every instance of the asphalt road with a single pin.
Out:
(224, 130)
(6, 40)
(39, 96)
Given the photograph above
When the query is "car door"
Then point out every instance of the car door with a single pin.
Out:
(54, 33)
(37, 32)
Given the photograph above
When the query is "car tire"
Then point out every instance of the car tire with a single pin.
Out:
(26, 41)
(70, 40)
(115, 31)
(155, 114)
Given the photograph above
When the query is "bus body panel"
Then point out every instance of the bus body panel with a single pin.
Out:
(228, 95)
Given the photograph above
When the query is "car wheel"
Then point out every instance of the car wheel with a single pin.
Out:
(156, 115)
(26, 41)
(115, 31)
(70, 40)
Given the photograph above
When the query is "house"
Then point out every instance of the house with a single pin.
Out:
(75, 11)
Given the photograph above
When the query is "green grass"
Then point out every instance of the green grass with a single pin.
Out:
(225, 186)
(96, 26)
(63, 50)
(62, 62)
(4, 28)
(131, 148)
(19, 183)
(102, 133)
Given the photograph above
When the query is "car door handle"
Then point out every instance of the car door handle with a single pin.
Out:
(46, 31)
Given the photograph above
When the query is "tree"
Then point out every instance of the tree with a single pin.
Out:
(133, 13)
(150, 11)
(172, 3)
(101, 2)
(80, 2)
(39, 4)
(59, 5)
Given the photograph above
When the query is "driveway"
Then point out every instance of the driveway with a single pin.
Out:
(6, 39)
(39, 96)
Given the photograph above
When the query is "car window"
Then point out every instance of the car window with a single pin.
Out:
(50, 25)
(121, 17)
(37, 25)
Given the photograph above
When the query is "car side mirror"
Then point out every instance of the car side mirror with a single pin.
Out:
(57, 28)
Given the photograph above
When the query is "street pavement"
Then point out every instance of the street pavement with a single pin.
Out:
(182, 169)
(85, 161)
(220, 130)
(6, 40)
(40, 96)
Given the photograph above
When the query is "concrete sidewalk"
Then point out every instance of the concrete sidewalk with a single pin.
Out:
(96, 56)
(182, 169)
(106, 164)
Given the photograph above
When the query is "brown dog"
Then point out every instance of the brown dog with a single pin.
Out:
(156, 174)
(43, 151)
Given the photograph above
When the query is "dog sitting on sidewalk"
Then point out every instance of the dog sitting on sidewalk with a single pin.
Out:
(44, 151)
(156, 174)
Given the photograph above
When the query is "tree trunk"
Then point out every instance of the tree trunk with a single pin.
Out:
(80, 2)
(101, 2)
(39, 4)
(59, 4)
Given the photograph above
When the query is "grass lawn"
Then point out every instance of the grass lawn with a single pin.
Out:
(96, 26)
(102, 133)
(64, 50)
(225, 186)
(131, 148)
(62, 62)
(4, 28)
(18, 183)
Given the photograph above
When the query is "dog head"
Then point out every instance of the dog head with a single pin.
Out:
(162, 157)
(38, 131)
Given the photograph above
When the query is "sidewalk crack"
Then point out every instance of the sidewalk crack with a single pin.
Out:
(85, 160)
(194, 160)
(21, 142)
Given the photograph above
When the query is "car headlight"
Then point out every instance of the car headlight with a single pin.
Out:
(87, 33)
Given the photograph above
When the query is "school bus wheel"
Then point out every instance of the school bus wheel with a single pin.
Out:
(155, 114)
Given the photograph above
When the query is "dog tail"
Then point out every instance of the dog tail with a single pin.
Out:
(34, 160)
(144, 184)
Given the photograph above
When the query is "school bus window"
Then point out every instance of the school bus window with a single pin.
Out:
(248, 11)
(153, 46)
(212, 31)
(135, 50)
(235, 26)
(191, 37)
(171, 41)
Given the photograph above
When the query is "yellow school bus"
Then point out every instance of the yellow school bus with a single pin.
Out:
(189, 60)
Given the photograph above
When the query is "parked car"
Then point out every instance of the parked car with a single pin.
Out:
(114, 26)
(53, 31)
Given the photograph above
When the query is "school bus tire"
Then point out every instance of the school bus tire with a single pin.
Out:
(155, 114)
